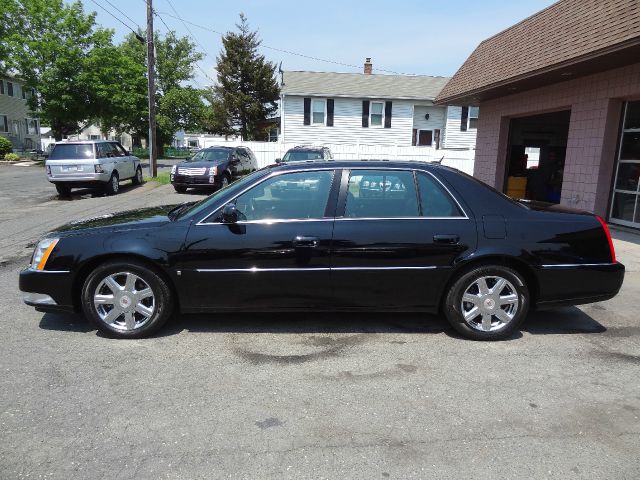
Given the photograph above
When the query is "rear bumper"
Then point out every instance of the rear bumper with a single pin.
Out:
(84, 178)
(47, 290)
(562, 285)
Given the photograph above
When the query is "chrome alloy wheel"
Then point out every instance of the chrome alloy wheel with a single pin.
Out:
(489, 303)
(139, 175)
(115, 183)
(124, 301)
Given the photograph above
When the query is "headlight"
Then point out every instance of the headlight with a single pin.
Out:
(42, 252)
(213, 170)
(173, 169)
(98, 168)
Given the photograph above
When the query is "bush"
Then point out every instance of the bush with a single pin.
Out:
(5, 147)
(12, 157)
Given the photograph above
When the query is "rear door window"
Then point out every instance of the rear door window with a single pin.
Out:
(435, 201)
(381, 194)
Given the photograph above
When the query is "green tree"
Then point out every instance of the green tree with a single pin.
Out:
(247, 89)
(49, 46)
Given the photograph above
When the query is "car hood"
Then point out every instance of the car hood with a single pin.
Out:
(140, 218)
(200, 164)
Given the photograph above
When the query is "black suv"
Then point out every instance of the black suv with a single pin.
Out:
(303, 153)
(213, 167)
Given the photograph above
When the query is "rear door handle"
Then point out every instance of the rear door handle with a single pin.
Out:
(446, 239)
(306, 242)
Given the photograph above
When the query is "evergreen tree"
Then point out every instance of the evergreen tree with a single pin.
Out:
(247, 89)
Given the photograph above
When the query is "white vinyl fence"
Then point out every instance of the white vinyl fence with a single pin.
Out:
(268, 152)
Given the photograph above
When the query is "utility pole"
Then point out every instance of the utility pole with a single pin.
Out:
(151, 63)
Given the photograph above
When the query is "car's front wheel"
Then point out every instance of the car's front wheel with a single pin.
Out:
(487, 303)
(138, 178)
(126, 299)
(180, 188)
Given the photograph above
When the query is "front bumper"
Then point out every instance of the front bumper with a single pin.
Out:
(47, 290)
(195, 180)
(562, 285)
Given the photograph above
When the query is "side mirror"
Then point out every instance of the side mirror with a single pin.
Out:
(229, 213)
(278, 160)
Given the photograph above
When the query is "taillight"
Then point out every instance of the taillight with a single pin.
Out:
(608, 234)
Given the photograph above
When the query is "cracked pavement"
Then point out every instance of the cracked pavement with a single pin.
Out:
(309, 395)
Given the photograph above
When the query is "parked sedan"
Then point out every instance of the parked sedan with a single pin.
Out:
(91, 163)
(213, 167)
(314, 237)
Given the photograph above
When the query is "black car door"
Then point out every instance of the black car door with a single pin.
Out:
(396, 234)
(277, 255)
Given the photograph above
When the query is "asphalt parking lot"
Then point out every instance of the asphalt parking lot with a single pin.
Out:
(308, 395)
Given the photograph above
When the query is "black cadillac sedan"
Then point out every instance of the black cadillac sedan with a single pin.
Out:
(213, 167)
(342, 236)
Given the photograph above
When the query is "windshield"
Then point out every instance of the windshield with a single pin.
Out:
(234, 187)
(301, 155)
(72, 151)
(213, 155)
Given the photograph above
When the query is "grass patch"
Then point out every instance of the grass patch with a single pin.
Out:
(162, 178)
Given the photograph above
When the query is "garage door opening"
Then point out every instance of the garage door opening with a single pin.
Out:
(535, 156)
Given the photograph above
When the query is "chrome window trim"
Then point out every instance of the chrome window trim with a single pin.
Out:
(308, 269)
(325, 219)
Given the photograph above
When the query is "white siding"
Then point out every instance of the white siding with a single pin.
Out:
(347, 124)
(453, 136)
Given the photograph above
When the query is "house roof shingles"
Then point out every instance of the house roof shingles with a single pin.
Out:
(358, 85)
(562, 32)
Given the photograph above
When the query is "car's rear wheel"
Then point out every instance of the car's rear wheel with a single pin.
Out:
(224, 182)
(113, 185)
(138, 178)
(180, 188)
(63, 189)
(487, 303)
(126, 299)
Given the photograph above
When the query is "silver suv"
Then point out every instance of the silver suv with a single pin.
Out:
(91, 163)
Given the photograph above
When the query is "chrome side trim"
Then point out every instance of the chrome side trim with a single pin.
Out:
(312, 269)
(400, 218)
(571, 265)
(31, 298)
(49, 271)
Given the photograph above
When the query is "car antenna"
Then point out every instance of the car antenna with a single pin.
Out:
(439, 162)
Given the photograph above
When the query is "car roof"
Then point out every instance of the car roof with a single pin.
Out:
(304, 148)
(77, 142)
(364, 163)
(218, 147)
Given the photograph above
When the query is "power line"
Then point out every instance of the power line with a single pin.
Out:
(124, 14)
(117, 18)
(289, 52)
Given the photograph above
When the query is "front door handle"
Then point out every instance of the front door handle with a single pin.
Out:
(446, 239)
(306, 242)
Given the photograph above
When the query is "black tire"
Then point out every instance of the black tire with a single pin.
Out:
(489, 304)
(163, 301)
(224, 181)
(138, 179)
(63, 189)
(180, 188)
(113, 185)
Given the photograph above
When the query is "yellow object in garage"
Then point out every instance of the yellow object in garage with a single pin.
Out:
(516, 187)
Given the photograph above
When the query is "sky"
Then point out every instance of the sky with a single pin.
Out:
(419, 37)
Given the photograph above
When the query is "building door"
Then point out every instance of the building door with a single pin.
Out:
(625, 208)
(536, 155)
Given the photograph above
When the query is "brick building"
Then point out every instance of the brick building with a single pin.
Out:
(559, 94)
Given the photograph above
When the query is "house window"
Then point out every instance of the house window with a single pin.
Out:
(24, 93)
(94, 137)
(4, 124)
(32, 126)
(376, 117)
(318, 109)
(272, 134)
(10, 89)
(474, 113)
(425, 138)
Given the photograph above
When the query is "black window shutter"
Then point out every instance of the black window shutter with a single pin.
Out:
(463, 119)
(365, 113)
(6, 123)
(387, 114)
(307, 111)
(1, 87)
(414, 137)
(26, 124)
(329, 112)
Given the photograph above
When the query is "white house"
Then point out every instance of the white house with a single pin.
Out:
(371, 109)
